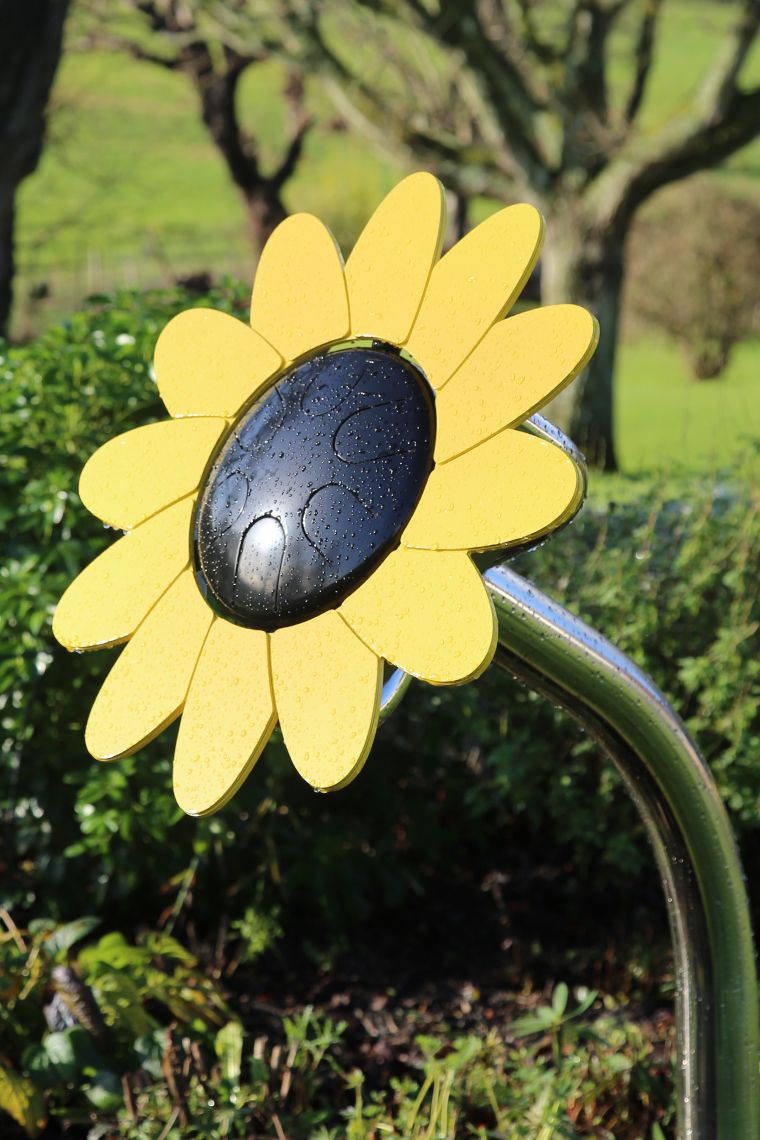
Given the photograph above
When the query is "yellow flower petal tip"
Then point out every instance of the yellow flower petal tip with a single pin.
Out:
(512, 488)
(146, 689)
(389, 267)
(521, 364)
(299, 297)
(473, 286)
(327, 687)
(139, 473)
(109, 599)
(227, 720)
(210, 364)
(429, 613)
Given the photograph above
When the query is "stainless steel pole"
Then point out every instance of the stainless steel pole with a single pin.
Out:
(548, 648)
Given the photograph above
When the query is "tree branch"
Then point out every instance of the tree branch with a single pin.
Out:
(458, 25)
(585, 87)
(290, 161)
(643, 58)
(683, 147)
(543, 50)
(294, 94)
(440, 149)
(98, 40)
(721, 120)
(719, 85)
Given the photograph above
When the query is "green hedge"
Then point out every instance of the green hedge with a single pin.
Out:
(460, 781)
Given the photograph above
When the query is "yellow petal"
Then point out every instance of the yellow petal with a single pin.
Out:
(299, 294)
(210, 364)
(147, 687)
(327, 687)
(112, 595)
(519, 366)
(390, 264)
(227, 720)
(135, 475)
(508, 489)
(427, 612)
(473, 286)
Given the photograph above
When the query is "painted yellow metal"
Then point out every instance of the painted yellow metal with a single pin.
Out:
(424, 608)
(521, 364)
(327, 687)
(147, 687)
(139, 473)
(511, 488)
(473, 286)
(427, 612)
(109, 599)
(227, 720)
(299, 297)
(389, 267)
(210, 364)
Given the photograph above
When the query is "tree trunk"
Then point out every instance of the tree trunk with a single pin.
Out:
(7, 260)
(585, 267)
(261, 194)
(31, 36)
(265, 212)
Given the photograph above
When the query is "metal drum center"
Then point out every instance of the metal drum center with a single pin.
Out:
(314, 486)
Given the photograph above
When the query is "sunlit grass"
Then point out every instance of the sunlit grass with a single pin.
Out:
(665, 420)
(131, 191)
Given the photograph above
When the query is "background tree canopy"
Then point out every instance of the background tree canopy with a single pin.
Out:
(559, 102)
(541, 101)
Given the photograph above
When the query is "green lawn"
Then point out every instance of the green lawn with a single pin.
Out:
(665, 420)
(130, 191)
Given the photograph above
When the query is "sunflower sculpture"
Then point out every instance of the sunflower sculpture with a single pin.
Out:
(309, 511)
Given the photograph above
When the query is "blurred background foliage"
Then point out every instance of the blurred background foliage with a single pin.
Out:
(144, 179)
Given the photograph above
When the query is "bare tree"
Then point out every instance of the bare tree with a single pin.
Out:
(31, 36)
(213, 44)
(511, 98)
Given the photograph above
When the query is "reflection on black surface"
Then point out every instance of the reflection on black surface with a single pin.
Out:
(315, 486)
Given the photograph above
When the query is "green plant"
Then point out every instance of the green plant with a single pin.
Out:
(554, 1020)
(72, 1025)
(605, 1082)
(461, 786)
(257, 931)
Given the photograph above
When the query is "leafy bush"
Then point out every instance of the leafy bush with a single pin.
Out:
(694, 270)
(69, 1029)
(138, 1042)
(478, 786)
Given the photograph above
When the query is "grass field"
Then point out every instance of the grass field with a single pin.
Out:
(130, 191)
(665, 420)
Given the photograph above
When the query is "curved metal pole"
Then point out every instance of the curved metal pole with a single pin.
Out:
(562, 658)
